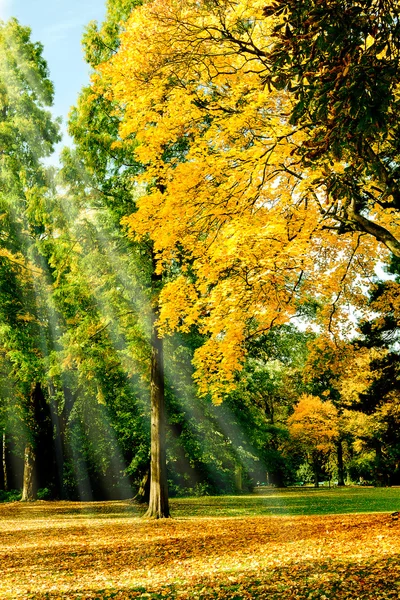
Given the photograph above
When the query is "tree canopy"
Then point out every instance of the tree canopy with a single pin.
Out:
(232, 189)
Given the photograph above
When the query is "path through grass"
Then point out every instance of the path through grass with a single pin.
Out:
(274, 545)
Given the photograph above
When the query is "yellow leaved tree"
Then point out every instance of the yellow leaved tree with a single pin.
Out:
(314, 426)
(221, 194)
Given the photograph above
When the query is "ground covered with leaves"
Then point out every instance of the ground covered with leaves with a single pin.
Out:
(105, 550)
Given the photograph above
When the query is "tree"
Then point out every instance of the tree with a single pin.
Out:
(327, 372)
(314, 426)
(111, 168)
(222, 197)
(378, 400)
(340, 63)
(268, 388)
(28, 135)
(94, 371)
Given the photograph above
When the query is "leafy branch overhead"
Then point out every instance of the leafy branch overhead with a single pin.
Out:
(256, 196)
(341, 64)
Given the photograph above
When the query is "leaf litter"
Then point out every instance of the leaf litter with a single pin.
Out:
(104, 550)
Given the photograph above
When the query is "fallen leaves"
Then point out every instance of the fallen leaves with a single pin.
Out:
(104, 550)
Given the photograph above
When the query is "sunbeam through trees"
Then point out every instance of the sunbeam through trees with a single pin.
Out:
(191, 316)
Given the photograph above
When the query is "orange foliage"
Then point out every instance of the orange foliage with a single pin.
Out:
(314, 424)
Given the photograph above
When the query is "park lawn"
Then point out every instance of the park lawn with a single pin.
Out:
(276, 544)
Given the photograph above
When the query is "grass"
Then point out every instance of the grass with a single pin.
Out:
(295, 544)
(290, 502)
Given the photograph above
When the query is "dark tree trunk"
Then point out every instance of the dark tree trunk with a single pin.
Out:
(58, 454)
(378, 475)
(4, 473)
(29, 488)
(158, 502)
(277, 478)
(340, 466)
(60, 425)
(143, 494)
(33, 423)
(316, 472)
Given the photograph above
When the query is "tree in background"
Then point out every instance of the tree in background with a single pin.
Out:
(28, 135)
(378, 400)
(269, 386)
(314, 426)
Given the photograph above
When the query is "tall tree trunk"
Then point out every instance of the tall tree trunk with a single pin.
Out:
(57, 425)
(29, 488)
(158, 502)
(4, 462)
(378, 470)
(315, 471)
(340, 466)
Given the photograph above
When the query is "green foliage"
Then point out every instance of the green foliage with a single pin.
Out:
(76, 294)
(341, 63)
(44, 494)
(10, 496)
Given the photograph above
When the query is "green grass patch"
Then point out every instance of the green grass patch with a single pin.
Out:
(291, 502)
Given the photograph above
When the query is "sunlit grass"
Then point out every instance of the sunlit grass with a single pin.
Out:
(225, 547)
(293, 501)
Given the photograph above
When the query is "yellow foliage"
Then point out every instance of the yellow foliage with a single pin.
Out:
(314, 423)
(222, 194)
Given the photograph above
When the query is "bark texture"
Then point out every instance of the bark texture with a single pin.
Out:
(4, 479)
(28, 488)
(340, 465)
(158, 502)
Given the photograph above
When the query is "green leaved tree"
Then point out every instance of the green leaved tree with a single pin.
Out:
(28, 134)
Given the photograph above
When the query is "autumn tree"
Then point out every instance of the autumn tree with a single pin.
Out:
(222, 194)
(314, 426)
(327, 372)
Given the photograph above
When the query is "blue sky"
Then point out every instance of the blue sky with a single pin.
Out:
(58, 25)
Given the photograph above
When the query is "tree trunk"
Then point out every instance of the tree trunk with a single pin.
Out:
(315, 470)
(28, 489)
(378, 474)
(158, 502)
(239, 478)
(4, 463)
(340, 466)
(143, 494)
(4, 474)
